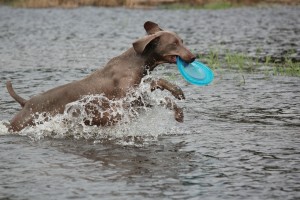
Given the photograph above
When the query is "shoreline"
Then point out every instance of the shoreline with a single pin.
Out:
(146, 4)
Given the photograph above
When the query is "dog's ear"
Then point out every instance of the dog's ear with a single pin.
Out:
(151, 27)
(141, 44)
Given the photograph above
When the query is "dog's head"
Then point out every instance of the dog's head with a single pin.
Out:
(165, 45)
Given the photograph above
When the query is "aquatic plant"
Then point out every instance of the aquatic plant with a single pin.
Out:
(218, 5)
(62, 3)
(166, 4)
(209, 5)
(244, 63)
(288, 67)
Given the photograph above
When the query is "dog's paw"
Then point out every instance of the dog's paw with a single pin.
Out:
(154, 85)
(178, 93)
(179, 115)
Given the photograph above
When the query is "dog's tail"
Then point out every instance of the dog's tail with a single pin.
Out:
(13, 94)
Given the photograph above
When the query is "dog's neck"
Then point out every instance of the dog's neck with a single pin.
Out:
(151, 61)
(147, 61)
(149, 64)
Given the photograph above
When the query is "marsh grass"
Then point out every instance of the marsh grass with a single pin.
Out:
(178, 4)
(246, 64)
(211, 5)
(218, 5)
(243, 64)
(288, 68)
(62, 3)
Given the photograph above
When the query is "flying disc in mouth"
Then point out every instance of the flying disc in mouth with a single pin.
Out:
(196, 72)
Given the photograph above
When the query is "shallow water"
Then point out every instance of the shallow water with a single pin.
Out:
(240, 138)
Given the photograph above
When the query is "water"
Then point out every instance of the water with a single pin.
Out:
(240, 138)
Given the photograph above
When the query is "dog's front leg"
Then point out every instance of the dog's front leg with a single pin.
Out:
(170, 104)
(163, 84)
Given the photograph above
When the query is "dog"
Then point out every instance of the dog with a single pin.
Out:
(114, 80)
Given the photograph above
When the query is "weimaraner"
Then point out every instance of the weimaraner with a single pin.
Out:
(114, 80)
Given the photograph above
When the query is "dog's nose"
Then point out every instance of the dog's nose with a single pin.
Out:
(193, 59)
(189, 59)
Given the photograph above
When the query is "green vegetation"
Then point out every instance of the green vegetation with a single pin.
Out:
(213, 5)
(178, 4)
(243, 63)
(63, 3)
(14, 3)
(218, 5)
(5, 1)
(288, 67)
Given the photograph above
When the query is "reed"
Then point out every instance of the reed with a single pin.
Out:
(219, 5)
(168, 4)
(243, 63)
(63, 3)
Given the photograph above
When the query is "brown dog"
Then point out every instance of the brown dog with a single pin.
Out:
(114, 80)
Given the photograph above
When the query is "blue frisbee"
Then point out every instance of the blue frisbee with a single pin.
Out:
(196, 72)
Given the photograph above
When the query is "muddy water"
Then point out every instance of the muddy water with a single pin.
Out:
(240, 138)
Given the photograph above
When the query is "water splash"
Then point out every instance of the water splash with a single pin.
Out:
(137, 118)
(3, 128)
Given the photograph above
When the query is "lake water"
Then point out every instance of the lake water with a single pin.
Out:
(240, 138)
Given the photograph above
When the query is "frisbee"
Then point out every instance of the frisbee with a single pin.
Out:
(196, 72)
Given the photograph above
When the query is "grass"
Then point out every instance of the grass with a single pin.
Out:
(218, 5)
(11, 2)
(240, 62)
(243, 63)
(213, 5)
(289, 68)
(62, 3)
(181, 4)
